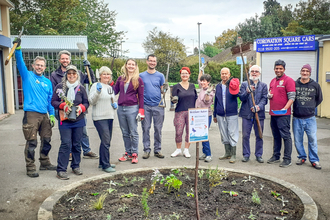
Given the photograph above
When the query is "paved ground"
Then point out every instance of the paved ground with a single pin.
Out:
(21, 196)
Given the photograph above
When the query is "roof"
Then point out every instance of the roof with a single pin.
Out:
(51, 43)
(7, 3)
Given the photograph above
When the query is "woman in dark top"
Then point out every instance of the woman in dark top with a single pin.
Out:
(130, 108)
(185, 95)
(69, 95)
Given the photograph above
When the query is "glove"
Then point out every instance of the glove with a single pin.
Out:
(250, 89)
(52, 120)
(98, 87)
(269, 95)
(140, 116)
(112, 82)
(18, 41)
(80, 109)
(86, 63)
(210, 89)
(174, 99)
(114, 105)
(256, 108)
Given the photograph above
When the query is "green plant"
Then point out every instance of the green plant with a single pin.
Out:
(283, 212)
(110, 190)
(76, 197)
(108, 217)
(275, 194)
(191, 194)
(156, 177)
(177, 171)
(126, 179)
(94, 194)
(249, 179)
(124, 208)
(98, 204)
(173, 181)
(141, 179)
(133, 179)
(255, 197)
(144, 201)
(217, 212)
(231, 193)
(201, 173)
(129, 195)
(282, 200)
(252, 216)
(215, 176)
(233, 183)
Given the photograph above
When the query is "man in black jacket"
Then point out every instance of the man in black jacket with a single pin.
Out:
(308, 97)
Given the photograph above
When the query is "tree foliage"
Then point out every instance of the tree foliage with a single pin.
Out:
(210, 50)
(226, 39)
(167, 48)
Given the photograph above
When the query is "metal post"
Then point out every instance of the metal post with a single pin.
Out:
(199, 46)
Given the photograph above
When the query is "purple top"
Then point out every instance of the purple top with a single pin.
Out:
(132, 96)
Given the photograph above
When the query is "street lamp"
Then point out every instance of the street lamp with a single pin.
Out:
(199, 46)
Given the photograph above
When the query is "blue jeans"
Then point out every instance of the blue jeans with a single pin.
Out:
(206, 144)
(156, 114)
(104, 129)
(128, 125)
(247, 125)
(307, 125)
(280, 126)
(69, 137)
(85, 140)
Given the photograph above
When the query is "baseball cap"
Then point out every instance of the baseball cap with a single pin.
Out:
(71, 67)
(234, 86)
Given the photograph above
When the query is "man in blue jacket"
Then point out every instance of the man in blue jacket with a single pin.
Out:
(37, 91)
(247, 112)
(226, 114)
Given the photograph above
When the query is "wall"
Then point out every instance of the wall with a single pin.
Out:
(324, 66)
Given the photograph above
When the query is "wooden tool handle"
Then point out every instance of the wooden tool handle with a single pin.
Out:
(11, 53)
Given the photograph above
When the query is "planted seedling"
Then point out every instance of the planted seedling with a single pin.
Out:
(129, 195)
(110, 190)
(156, 177)
(217, 212)
(231, 193)
(275, 194)
(141, 179)
(261, 187)
(94, 194)
(252, 216)
(250, 179)
(201, 173)
(283, 212)
(177, 171)
(126, 179)
(108, 217)
(282, 200)
(173, 182)
(144, 201)
(133, 180)
(280, 218)
(215, 176)
(98, 204)
(233, 183)
(76, 197)
(255, 197)
(191, 193)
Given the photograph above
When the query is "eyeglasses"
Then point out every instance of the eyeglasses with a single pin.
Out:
(254, 71)
(72, 73)
(39, 65)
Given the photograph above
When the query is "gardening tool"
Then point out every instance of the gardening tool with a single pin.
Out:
(15, 44)
(239, 42)
(165, 88)
(280, 112)
(82, 48)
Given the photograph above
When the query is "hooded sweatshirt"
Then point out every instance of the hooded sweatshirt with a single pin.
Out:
(308, 97)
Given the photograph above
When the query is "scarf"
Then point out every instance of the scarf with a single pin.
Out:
(71, 95)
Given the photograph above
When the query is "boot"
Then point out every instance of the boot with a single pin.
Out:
(233, 155)
(227, 152)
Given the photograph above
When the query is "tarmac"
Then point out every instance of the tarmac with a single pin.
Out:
(21, 196)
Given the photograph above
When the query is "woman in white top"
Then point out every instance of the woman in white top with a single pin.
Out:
(101, 97)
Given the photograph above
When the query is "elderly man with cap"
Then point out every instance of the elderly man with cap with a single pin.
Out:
(308, 97)
(282, 93)
(225, 113)
(64, 57)
(247, 112)
(37, 91)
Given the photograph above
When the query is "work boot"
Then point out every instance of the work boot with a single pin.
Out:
(233, 155)
(227, 152)
(48, 167)
(32, 174)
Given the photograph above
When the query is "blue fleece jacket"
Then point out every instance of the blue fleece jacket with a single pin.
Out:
(37, 90)
(231, 103)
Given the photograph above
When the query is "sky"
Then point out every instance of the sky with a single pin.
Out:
(180, 18)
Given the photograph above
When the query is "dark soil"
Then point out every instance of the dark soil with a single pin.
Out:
(213, 202)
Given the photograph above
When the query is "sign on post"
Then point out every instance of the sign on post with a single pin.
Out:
(202, 59)
(239, 60)
(198, 124)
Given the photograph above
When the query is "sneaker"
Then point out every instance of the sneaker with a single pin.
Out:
(202, 157)
(109, 170)
(62, 175)
(77, 171)
(316, 165)
(134, 158)
(91, 155)
(125, 157)
(208, 159)
(48, 167)
(285, 163)
(245, 159)
(300, 161)
(159, 155)
(259, 159)
(146, 155)
(33, 174)
(273, 159)
(176, 152)
(111, 165)
(186, 153)
(70, 157)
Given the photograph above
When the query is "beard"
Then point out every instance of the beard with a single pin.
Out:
(254, 78)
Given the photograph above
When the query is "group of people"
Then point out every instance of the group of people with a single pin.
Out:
(64, 97)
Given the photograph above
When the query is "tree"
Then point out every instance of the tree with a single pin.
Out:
(226, 39)
(168, 49)
(210, 50)
(49, 17)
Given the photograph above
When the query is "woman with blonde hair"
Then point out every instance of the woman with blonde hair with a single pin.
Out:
(130, 108)
(101, 97)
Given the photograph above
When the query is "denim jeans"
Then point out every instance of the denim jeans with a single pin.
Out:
(156, 114)
(128, 125)
(247, 125)
(85, 139)
(280, 126)
(69, 137)
(104, 129)
(307, 125)
(206, 144)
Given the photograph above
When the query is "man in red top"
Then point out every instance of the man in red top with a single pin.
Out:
(282, 93)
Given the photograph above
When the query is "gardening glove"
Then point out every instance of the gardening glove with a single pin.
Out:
(174, 99)
(210, 89)
(86, 63)
(98, 87)
(140, 116)
(80, 109)
(256, 108)
(65, 107)
(114, 105)
(52, 120)
(18, 41)
(112, 83)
